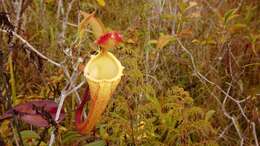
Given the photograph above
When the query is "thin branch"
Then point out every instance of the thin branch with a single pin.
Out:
(156, 80)
(207, 80)
(232, 118)
(18, 5)
(64, 94)
(33, 49)
(237, 102)
(15, 135)
(65, 20)
(221, 135)
(75, 89)
(254, 133)
(59, 9)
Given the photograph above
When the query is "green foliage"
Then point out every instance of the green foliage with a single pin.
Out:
(229, 15)
(96, 143)
(160, 100)
(31, 138)
(171, 120)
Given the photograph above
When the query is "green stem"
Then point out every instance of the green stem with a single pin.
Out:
(12, 79)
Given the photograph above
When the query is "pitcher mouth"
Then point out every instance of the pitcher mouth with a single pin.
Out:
(103, 67)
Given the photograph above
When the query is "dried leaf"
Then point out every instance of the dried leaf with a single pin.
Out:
(4, 126)
(191, 5)
(95, 24)
(185, 33)
(196, 14)
(84, 23)
(81, 67)
(237, 27)
(163, 41)
(130, 41)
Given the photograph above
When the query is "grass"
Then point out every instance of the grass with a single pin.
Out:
(213, 53)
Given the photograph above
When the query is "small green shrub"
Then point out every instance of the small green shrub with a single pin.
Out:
(168, 120)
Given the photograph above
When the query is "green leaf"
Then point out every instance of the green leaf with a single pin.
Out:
(155, 102)
(209, 115)
(250, 14)
(237, 125)
(102, 130)
(101, 2)
(152, 42)
(96, 143)
(30, 137)
(70, 136)
(28, 134)
(183, 6)
(229, 15)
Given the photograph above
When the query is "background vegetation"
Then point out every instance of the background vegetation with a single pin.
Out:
(192, 74)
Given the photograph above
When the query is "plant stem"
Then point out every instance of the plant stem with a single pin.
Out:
(12, 79)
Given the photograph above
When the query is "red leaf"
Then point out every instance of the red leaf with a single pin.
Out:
(28, 114)
(86, 97)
